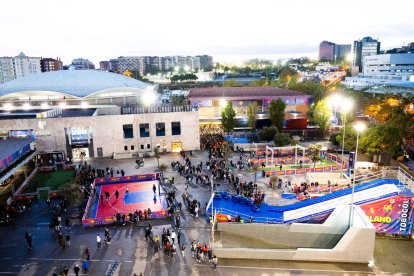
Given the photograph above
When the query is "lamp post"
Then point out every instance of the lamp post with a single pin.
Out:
(345, 107)
(358, 127)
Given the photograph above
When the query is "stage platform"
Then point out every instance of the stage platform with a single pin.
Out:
(140, 196)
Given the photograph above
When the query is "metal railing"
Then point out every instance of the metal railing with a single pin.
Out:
(158, 109)
(247, 217)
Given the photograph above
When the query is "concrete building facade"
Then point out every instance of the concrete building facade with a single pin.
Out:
(51, 64)
(106, 135)
(12, 68)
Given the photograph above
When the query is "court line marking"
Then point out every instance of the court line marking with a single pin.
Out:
(292, 269)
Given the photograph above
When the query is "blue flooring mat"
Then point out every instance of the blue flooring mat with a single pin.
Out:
(136, 197)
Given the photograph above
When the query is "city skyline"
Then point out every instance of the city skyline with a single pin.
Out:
(228, 31)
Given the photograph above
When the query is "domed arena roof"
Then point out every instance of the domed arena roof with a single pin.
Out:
(76, 83)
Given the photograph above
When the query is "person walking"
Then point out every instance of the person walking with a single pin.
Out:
(215, 260)
(183, 247)
(156, 245)
(173, 236)
(76, 269)
(28, 238)
(98, 241)
(179, 237)
(116, 194)
(154, 189)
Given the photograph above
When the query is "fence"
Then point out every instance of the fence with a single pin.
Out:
(158, 109)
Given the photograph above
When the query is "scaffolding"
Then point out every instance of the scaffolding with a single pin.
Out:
(273, 149)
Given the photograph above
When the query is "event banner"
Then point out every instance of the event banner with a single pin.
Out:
(392, 215)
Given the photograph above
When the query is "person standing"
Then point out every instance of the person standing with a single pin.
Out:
(179, 237)
(116, 194)
(28, 237)
(67, 239)
(156, 245)
(98, 241)
(85, 266)
(66, 270)
(76, 270)
(173, 236)
(154, 189)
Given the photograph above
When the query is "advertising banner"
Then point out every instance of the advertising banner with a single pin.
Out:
(392, 215)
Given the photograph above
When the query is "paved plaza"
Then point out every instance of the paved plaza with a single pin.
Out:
(129, 248)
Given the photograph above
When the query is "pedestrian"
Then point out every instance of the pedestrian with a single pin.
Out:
(87, 254)
(85, 266)
(215, 260)
(48, 202)
(156, 245)
(66, 270)
(67, 223)
(193, 248)
(98, 241)
(106, 232)
(28, 237)
(183, 247)
(76, 270)
(179, 237)
(173, 236)
(126, 191)
(116, 194)
(68, 239)
(108, 239)
(154, 189)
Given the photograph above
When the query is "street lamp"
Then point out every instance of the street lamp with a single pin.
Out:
(346, 106)
(358, 127)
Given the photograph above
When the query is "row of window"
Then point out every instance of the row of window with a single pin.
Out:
(144, 129)
(142, 147)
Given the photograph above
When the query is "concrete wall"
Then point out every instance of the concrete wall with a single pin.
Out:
(356, 245)
(107, 131)
(295, 235)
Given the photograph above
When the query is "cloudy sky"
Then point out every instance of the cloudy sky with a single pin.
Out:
(230, 30)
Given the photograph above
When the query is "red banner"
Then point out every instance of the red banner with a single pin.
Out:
(392, 215)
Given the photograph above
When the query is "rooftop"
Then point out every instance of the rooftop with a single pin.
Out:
(78, 83)
(245, 91)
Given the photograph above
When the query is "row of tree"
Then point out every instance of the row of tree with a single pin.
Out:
(183, 77)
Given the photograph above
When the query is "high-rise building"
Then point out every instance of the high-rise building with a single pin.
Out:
(342, 51)
(206, 62)
(104, 65)
(82, 64)
(113, 65)
(51, 64)
(362, 48)
(326, 51)
(130, 63)
(12, 68)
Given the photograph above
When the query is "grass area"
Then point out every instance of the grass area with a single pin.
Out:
(323, 163)
(53, 180)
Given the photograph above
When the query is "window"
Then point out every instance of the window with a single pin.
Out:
(148, 146)
(160, 129)
(144, 130)
(132, 147)
(142, 147)
(128, 131)
(176, 128)
(125, 147)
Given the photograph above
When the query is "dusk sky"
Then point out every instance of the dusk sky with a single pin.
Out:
(227, 30)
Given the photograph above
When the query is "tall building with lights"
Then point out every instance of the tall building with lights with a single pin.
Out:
(362, 48)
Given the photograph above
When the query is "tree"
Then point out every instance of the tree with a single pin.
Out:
(157, 155)
(251, 115)
(228, 117)
(288, 74)
(277, 113)
(163, 168)
(255, 170)
(314, 152)
(274, 179)
(322, 115)
(267, 133)
(231, 83)
(282, 139)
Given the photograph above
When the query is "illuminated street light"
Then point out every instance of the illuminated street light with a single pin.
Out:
(26, 106)
(346, 106)
(360, 126)
(8, 106)
(223, 102)
(149, 97)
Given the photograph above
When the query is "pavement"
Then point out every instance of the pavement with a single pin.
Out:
(129, 248)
